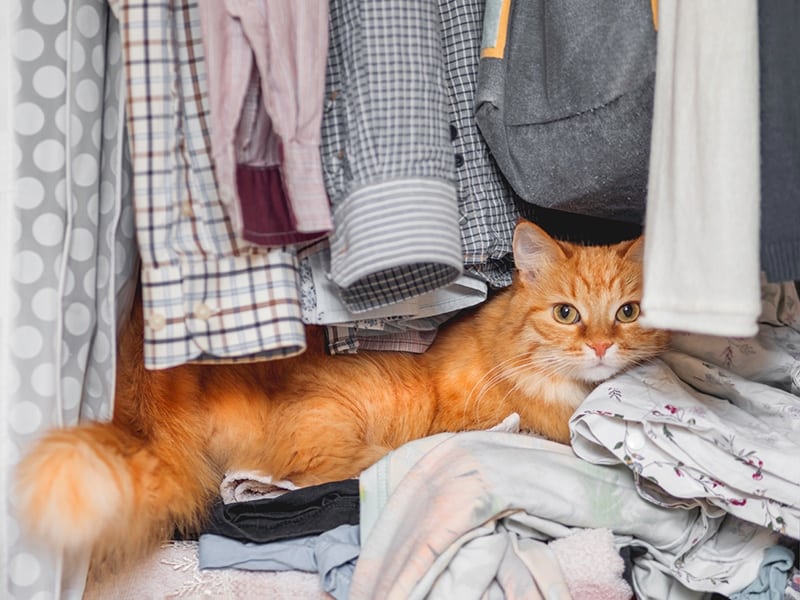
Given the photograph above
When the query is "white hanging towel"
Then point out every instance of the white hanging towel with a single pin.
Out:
(701, 257)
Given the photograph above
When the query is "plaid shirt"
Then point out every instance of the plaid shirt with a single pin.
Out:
(206, 296)
(387, 159)
(351, 340)
(486, 201)
(401, 82)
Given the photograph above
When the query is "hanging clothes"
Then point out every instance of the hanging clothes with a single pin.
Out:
(386, 151)
(206, 295)
(486, 202)
(779, 76)
(565, 96)
(266, 70)
(486, 207)
(701, 263)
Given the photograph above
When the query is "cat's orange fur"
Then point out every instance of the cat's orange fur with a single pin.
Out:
(118, 487)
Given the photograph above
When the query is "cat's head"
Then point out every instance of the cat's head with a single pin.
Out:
(583, 303)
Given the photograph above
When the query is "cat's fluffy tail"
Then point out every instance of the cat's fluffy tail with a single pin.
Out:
(97, 488)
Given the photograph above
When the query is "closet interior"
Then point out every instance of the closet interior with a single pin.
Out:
(254, 167)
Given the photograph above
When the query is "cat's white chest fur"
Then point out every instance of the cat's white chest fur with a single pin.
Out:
(559, 391)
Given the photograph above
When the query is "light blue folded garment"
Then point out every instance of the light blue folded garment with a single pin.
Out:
(332, 554)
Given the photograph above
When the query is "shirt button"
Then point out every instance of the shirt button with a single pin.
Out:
(156, 321)
(635, 440)
(202, 311)
(186, 209)
(453, 133)
(459, 161)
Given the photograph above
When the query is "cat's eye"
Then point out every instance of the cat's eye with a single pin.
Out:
(566, 313)
(628, 313)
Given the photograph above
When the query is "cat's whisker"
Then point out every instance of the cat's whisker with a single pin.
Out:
(513, 389)
(497, 378)
(544, 365)
(498, 369)
(475, 400)
(552, 365)
(476, 404)
(492, 382)
(522, 358)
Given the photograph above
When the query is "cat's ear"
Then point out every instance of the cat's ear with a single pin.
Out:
(633, 250)
(533, 249)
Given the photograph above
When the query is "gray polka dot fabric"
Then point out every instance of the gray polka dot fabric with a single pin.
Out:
(71, 249)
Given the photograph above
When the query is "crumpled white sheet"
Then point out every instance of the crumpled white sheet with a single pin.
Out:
(466, 516)
(714, 423)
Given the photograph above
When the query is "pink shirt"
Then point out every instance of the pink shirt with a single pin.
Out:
(266, 69)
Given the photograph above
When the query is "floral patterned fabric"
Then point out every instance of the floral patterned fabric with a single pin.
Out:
(714, 423)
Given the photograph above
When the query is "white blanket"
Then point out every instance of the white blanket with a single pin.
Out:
(468, 515)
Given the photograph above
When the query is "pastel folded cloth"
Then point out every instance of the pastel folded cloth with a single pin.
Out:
(591, 565)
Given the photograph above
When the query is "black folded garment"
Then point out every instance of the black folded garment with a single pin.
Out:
(307, 511)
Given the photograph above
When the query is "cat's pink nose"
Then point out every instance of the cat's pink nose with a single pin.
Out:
(600, 348)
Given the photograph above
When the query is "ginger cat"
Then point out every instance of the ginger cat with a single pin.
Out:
(568, 322)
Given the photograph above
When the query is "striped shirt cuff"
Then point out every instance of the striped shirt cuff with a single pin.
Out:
(395, 240)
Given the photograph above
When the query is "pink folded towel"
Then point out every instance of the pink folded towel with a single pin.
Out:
(591, 565)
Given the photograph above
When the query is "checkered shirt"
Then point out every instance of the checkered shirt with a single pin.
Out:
(487, 204)
(351, 340)
(206, 296)
(387, 159)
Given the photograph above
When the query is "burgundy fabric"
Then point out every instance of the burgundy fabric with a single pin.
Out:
(266, 214)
